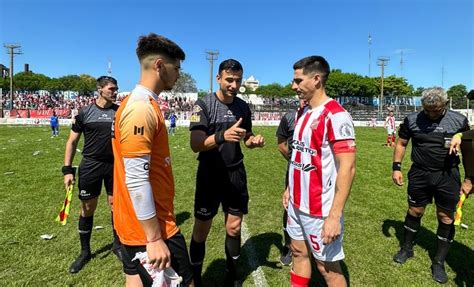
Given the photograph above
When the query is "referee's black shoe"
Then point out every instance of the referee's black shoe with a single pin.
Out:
(438, 272)
(80, 261)
(403, 255)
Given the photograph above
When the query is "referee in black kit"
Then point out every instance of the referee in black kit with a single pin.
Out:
(97, 165)
(434, 173)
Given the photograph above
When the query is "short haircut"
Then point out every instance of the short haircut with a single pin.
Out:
(103, 81)
(434, 96)
(230, 64)
(154, 44)
(313, 65)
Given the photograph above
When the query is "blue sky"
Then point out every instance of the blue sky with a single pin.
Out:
(61, 37)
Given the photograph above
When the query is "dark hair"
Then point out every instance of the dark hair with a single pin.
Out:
(230, 64)
(314, 64)
(156, 44)
(102, 81)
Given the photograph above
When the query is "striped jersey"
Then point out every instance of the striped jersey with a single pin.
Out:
(313, 169)
(390, 123)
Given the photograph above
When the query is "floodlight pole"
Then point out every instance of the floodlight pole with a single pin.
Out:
(382, 62)
(211, 56)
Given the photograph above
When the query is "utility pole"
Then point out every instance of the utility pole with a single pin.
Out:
(12, 50)
(382, 62)
(211, 56)
(109, 68)
(403, 53)
(370, 56)
(442, 76)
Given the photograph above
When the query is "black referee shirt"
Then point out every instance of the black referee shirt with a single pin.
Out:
(211, 115)
(430, 139)
(286, 128)
(96, 125)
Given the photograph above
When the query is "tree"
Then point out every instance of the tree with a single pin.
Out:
(185, 84)
(457, 94)
(29, 81)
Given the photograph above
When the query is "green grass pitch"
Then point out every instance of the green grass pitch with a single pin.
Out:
(32, 191)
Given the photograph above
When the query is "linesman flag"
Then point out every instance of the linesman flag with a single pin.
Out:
(458, 215)
(64, 212)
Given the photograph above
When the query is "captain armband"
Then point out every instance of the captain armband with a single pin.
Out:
(344, 146)
(396, 166)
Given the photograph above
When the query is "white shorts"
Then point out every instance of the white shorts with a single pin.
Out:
(390, 131)
(302, 226)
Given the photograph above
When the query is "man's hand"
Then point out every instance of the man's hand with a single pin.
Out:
(466, 187)
(235, 133)
(256, 141)
(331, 229)
(286, 198)
(455, 146)
(68, 180)
(159, 255)
(397, 177)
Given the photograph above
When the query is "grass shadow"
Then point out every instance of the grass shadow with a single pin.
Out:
(459, 257)
(182, 217)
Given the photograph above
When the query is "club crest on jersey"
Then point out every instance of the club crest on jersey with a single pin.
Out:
(314, 124)
(197, 109)
(299, 146)
(304, 167)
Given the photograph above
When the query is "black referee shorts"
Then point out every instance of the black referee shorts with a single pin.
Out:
(92, 174)
(179, 260)
(443, 185)
(215, 185)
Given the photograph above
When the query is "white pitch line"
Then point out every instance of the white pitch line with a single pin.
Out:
(257, 274)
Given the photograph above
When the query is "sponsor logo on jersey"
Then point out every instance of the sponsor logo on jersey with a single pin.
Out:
(146, 166)
(104, 117)
(167, 161)
(195, 118)
(299, 146)
(138, 130)
(304, 167)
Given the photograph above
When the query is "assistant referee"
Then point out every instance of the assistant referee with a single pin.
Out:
(434, 173)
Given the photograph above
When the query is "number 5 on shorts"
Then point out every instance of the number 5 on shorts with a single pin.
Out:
(314, 242)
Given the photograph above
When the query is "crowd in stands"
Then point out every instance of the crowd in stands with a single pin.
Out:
(29, 101)
(272, 108)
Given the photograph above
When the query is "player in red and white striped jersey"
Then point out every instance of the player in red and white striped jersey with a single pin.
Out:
(322, 168)
(391, 129)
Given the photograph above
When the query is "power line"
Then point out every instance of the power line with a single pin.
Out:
(211, 56)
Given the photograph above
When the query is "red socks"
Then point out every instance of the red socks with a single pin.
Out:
(298, 281)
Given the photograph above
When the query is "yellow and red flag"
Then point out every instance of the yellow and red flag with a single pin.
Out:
(458, 215)
(64, 212)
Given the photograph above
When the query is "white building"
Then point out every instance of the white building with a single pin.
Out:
(251, 83)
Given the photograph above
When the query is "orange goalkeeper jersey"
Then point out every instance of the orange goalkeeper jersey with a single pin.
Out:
(139, 130)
